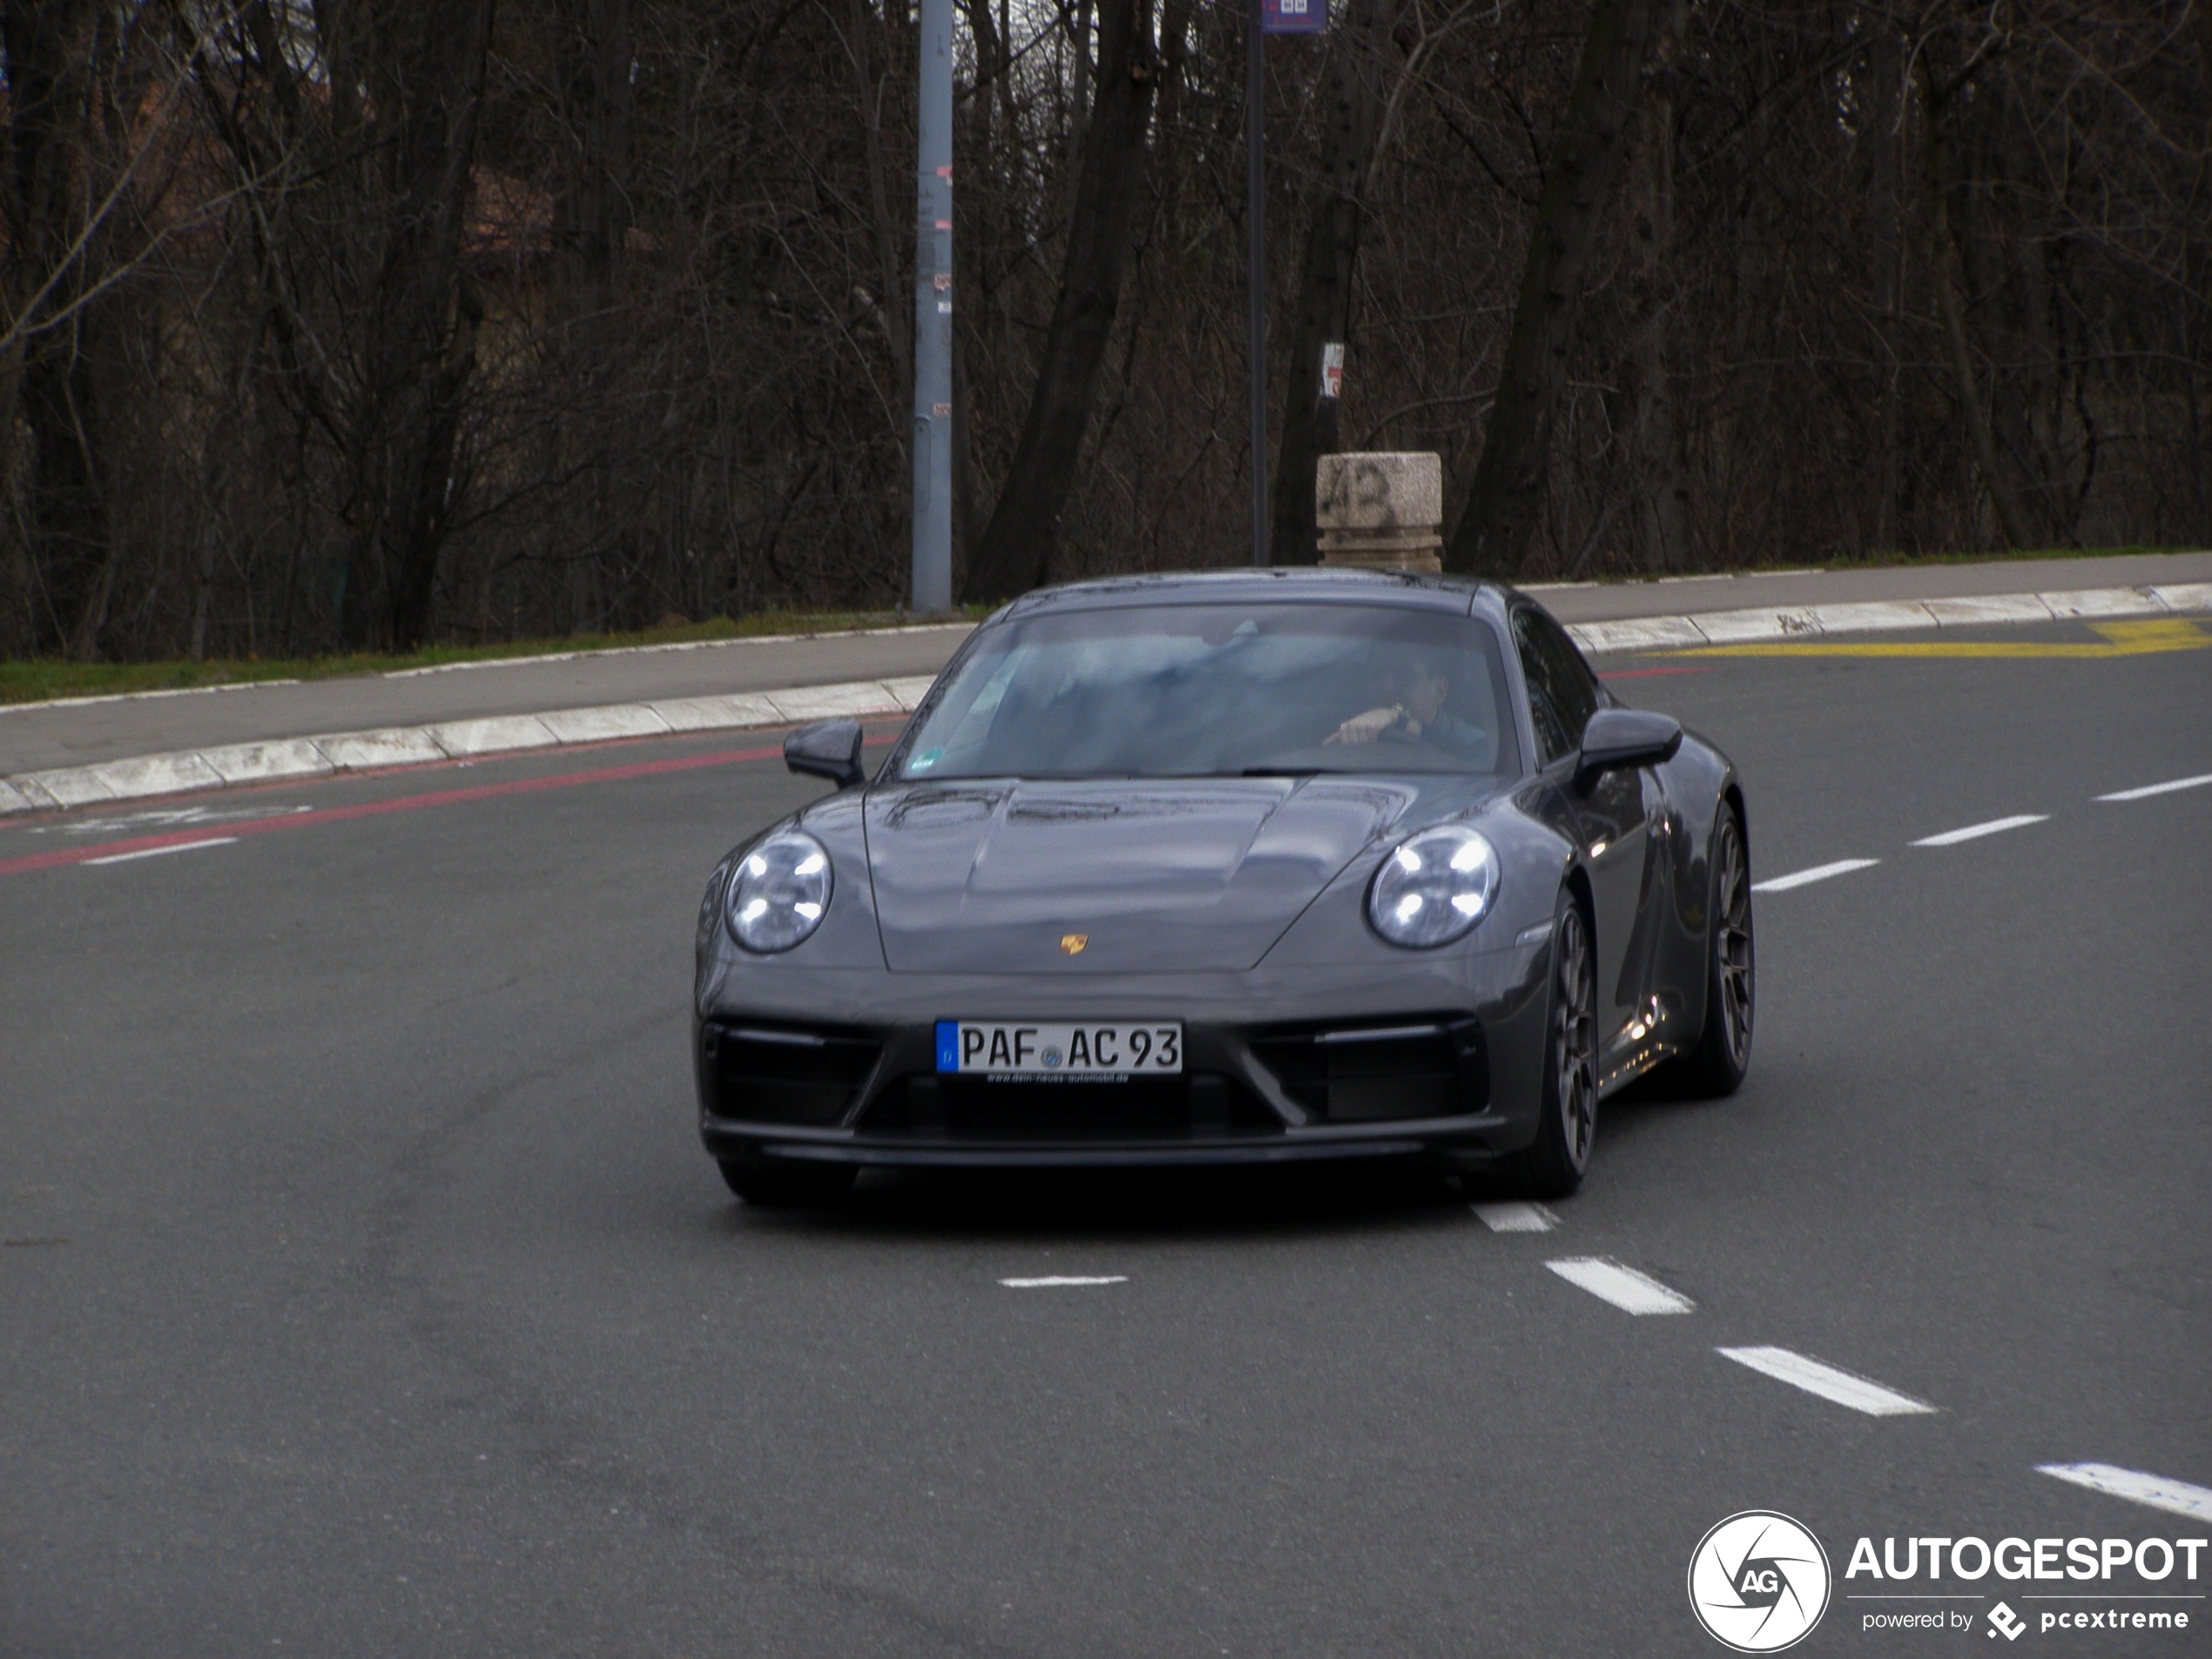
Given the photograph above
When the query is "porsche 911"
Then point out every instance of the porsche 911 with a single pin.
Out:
(1232, 867)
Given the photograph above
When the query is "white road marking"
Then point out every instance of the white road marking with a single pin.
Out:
(1627, 1290)
(1818, 873)
(2159, 789)
(2160, 1492)
(1828, 1382)
(156, 851)
(1974, 832)
(1057, 1282)
(1516, 1218)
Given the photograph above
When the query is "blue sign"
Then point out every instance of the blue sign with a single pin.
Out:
(1293, 16)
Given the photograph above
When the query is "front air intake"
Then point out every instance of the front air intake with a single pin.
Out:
(1381, 1071)
(773, 1074)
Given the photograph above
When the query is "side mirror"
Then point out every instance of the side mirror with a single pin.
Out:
(827, 748)
(1619, 738)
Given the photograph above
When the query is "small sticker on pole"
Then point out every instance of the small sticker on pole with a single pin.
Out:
(1332, 370)
(1293, 16)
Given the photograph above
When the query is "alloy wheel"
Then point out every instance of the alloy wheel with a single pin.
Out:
(1574, 1038)
(1732, 940)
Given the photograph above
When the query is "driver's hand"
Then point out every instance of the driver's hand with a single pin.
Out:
(1365, 728)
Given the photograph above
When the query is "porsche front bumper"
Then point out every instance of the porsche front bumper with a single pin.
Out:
(1441, 1055)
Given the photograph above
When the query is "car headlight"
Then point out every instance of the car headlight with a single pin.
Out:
(1430, 889)
(778, 892)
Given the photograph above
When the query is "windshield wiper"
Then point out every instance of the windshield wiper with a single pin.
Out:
(1282, 772)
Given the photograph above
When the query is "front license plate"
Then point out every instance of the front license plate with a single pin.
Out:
(992, 1049)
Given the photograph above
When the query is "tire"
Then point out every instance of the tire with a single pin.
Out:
(1715, 1067)
(787, 1184)
(1552, 1166)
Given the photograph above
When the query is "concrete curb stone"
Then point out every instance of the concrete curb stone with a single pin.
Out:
(343, 752)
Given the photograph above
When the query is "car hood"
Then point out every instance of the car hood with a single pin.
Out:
(1158, 875)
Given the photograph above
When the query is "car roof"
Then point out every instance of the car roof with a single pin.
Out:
(1305, 583)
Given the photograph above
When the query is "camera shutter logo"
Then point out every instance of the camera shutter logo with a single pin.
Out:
(1758, 1582)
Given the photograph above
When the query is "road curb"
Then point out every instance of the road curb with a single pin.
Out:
(346, 751)
(1745, 627)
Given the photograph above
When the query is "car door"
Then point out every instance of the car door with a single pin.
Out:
(1613, 823)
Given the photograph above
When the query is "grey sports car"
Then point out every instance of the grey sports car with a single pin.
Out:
(1230, 868)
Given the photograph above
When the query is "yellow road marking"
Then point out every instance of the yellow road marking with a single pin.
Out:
(2122, 639)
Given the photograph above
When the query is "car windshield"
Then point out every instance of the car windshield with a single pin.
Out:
(1221, 691)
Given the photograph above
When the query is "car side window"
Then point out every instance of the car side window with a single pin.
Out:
(1576, 687)
(1554, 698)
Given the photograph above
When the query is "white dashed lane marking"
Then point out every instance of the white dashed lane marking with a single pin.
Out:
(1818, 873)
(157, 852)
(1516, 1218)
(2176, 1496)
(1975, 832)
(1627, 1290)
(1062, 1282)
(2148, 789)
(1828, 1382)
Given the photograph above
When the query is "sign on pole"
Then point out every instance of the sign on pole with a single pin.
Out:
(1293, 16)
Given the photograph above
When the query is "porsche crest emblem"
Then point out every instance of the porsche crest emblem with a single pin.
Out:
(1073, 943)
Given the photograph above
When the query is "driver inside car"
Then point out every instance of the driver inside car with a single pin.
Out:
(1415, 694)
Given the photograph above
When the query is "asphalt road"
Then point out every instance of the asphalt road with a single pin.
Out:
(364, 1290)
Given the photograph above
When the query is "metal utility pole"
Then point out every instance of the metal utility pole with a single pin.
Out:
(1266, 17)
(1256, 262)
(933, 449)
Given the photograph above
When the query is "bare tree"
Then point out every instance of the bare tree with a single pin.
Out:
(1494, 525)
(1017, 546)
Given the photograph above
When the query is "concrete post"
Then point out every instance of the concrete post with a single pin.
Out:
(1381, 511)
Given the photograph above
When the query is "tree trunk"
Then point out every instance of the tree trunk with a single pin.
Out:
(1352, 95)
(1017, 547)
(45, 376)
(897, 319)
(1886, 215)
(1494, 526)
(1651, 432)
(591, 58)
(418, 348)
(1950, 311)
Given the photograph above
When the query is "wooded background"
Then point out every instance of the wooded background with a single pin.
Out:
(368, 322)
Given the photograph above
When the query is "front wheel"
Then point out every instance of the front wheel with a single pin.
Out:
(1716, 1066)
(1551, 1167)
(787, 1184)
